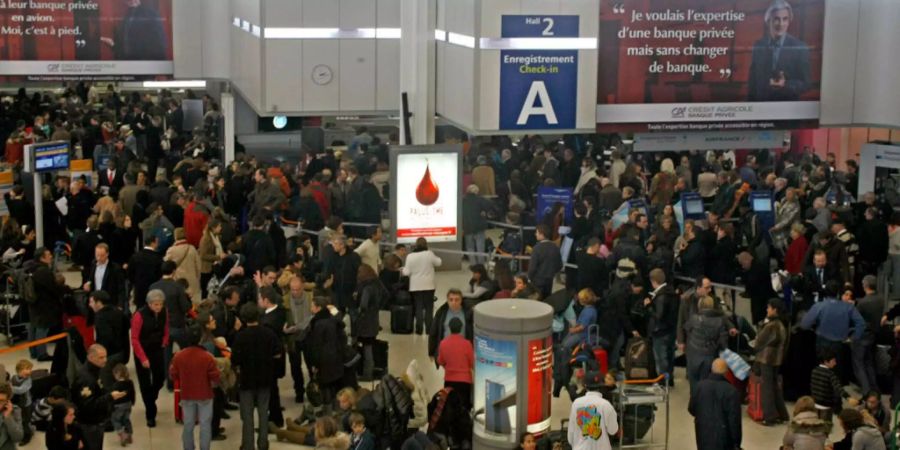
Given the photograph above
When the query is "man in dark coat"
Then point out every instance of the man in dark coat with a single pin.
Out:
(275, 318)
(780, 69)
(340, 270)
(453, 307)
(46, 311)
(663, 321)
(758, 284)
(545, 262)
(94, 404)
(257, 247)
(144, 269)
(873, 250)
(323, 348)
(253, 356)
(706, 334)
(716, 407)
(111, 327)
(140, 35)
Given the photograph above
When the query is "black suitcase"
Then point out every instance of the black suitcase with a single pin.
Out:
(401, 319)
(380, 352)
(639, 362)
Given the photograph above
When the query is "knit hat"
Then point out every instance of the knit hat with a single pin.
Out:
(625, 268)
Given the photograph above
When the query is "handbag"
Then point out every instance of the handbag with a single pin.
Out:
(739, 367)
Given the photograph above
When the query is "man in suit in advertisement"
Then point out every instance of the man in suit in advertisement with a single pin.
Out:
(780, 67)
(140, 35)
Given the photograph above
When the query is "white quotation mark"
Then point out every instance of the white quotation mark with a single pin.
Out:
(724, 73)
(619, 8)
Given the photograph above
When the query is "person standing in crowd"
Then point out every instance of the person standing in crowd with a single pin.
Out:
(144, 269)
(770, 347)
(661, 327)
(419, 267)
(873, 242)
(716, 407)
(94, 404)
(11, 426)
(275, 318)
(457, 357)
(474, 214)
(592, 419)
(195, 371)
(870, 308)
(111, 328)
(369, 251)
(340, 270)
(833, 320)
(370, 295)
(324, 349)
(545, 262)
(149, 338)
(297, 302)
(211, 252)
(825, 385)
(253, 358)
(45, 312)
(105, 275)
(454, 308)
(757, 283)
(706, 334)
(187, 264)
(257, 247)
(177, 307)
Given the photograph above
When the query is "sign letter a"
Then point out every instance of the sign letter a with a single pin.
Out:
(538, 91)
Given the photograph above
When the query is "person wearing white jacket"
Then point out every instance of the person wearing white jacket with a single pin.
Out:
(415, 382)
(592, 420)
(420, 265)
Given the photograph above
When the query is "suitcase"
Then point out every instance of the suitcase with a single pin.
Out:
(754, 398)
(639, 362)
(597, 348)
(380, 355)
(741, 386)
(636, 422)
(176, 395)
(401, 319)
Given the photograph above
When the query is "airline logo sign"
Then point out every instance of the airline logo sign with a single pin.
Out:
(538, 88)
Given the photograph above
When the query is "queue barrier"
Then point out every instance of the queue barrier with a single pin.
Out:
(34, 343)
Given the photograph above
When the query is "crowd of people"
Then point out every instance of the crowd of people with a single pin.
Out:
(186, 266)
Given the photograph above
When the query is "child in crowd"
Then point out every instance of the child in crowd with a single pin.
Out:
(121, 414)
(362, 438)
(43, 408)
(21, 388)
(825, 386)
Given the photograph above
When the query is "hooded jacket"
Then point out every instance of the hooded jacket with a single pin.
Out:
(340, 441)
(707, 333)
(806, 432)
(413, 378)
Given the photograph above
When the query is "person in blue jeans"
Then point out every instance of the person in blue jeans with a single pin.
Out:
(578, 333)
(195, 371)
(662, 323)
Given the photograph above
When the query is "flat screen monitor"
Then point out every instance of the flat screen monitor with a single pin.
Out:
(694, 207)
(762, 204)
(50, 156)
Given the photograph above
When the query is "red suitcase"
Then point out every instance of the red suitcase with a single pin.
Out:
(754, 398)
(179, 416)
(599, 352)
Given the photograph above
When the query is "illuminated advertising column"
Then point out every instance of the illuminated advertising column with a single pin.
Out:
(426, 198)
(513, 371)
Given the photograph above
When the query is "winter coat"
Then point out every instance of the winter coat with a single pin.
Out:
(806, 432)
(413, 377)
(324, 347)
(187, 261)
(369, 297)
(716, 407)
(340, 441)
(419, 268)
(46, 311)
(707, 333)
(770, 343)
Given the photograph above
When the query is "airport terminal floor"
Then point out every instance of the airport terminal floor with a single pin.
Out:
(403, 349)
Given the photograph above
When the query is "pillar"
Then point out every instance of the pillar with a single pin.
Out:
(227, 103)
(417, 74)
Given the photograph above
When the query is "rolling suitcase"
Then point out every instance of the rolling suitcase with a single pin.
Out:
(754, 398)
(401, 319)
(176, 395)
(597, 347)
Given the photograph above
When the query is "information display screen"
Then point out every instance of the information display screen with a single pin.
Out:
(427, 196)
(51, 156)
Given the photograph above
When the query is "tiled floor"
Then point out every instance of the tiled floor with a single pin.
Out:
(166, 436)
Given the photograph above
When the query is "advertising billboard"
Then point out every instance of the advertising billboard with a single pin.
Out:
(495, 383)
(427, 193)
(538, 88)
(85, 39)
(709, 65)
(540, 383)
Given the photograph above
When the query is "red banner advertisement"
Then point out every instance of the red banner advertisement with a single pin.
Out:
(540, 383)
(85, 39)
(706, 65)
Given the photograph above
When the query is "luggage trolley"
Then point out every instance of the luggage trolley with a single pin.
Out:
(635, 394)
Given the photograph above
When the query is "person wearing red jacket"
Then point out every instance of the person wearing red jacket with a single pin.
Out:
(457, 356)
(196, 216)
(194, 370)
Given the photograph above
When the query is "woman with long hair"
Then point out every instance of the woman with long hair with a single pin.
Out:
(806, 430)
(63, 433)
(524, 289)
(211, 252)
(370, 294)
(480, 285)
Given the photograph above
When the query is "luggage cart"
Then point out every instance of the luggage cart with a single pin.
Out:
(12, 309)
(647, 393)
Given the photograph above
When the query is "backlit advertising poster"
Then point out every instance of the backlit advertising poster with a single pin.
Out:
(85, 39)
(427, 196)
(709, 65)
(538, 88)
(540, 383)
(495, 383)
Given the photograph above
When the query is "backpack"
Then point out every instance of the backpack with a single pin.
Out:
(449, 422)
(396, 404)
(639, 362)
(26, 287)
